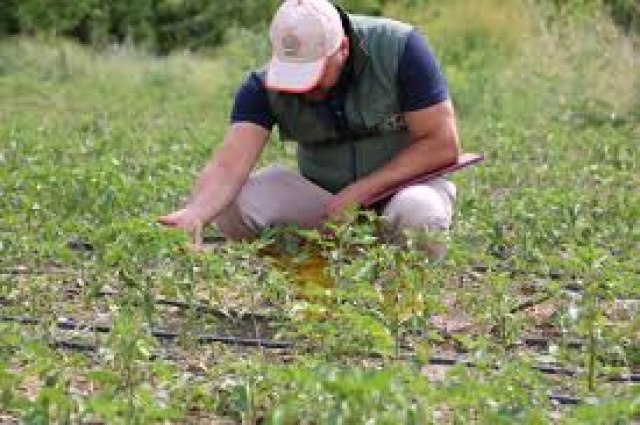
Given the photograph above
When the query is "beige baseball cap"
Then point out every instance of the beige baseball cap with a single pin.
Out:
(303, 34)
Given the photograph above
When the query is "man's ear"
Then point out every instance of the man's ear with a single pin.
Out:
(344, 48)
(345, 43)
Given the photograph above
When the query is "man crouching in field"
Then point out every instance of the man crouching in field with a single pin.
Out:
(369, 108)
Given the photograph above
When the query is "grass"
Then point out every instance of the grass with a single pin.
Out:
(94, 146)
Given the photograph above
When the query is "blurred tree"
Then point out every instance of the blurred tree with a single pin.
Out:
(50, 17)
(165, 25)
(626, 13)
(8, 20)
(200, 23)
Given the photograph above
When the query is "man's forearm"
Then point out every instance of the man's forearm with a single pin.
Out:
(220, 181)
(216, 187)
(434, 146)
(421, 157)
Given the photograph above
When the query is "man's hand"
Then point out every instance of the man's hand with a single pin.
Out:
(220, 180)
(352, 195)
(188, 220)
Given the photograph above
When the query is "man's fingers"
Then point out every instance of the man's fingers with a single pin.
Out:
(188, 223)
(167, 220)
(196, 235)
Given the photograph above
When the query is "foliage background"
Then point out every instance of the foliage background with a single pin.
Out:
(165, 25)
(160, 25)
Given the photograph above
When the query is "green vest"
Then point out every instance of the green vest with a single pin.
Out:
(375, 129)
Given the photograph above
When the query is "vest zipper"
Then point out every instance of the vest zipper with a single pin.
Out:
(354, 160)
(337, 106)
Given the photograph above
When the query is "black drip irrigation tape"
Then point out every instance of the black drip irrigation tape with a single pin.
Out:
(25, 271)
(565, 399)
(435, 361)
(560, 399)
(545, 369)
(529, 341)
(534, 341)
(571, 286)
(263, 318)
(452, 361)
(70, 325)
(551, 274)
(271, 344)
(532, 303)
(614, 379)
(630, 303)
(274, 344)
(74, 346)
(197, 306)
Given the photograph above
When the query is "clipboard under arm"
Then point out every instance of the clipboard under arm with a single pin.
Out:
(464, 160)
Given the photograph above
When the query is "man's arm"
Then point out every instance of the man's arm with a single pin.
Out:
(221, 179)
(434, 145)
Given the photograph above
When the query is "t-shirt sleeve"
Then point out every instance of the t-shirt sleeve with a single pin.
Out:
(420, 81)
(252, 104)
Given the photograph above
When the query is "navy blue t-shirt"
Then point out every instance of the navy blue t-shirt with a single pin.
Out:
(420, 85)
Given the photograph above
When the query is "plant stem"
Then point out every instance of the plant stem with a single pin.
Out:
(593, 348)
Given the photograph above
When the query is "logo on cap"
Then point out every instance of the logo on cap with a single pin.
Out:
(291, 45)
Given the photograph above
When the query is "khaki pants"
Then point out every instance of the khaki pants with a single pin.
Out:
(276, 195)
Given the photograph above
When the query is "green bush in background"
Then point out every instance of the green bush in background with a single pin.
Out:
(159, 25)
(166, 25)
(626, 13)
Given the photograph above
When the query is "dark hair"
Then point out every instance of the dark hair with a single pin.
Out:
(346, 23)
(347, 71)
